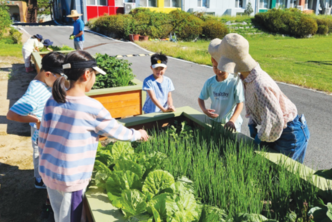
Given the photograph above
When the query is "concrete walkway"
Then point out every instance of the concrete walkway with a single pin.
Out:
(189, 78)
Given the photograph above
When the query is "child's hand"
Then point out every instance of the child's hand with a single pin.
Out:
(144, 135)
(171, 109)
(210, 113)
(230, 126)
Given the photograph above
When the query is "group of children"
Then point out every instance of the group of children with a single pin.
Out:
(34, 44)
(66, 124)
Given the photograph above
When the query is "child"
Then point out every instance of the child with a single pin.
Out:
(281, 127)
(32, 45)
(225, 91)
(68, 136)
(158, 87)
(29, 108)
(47, 43)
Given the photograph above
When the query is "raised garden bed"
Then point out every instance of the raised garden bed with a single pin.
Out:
(121, 102)
(286, 186)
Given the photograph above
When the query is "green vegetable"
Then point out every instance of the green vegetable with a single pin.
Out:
(133, 203)
(157, 181)
(118, 72)
(323, 213)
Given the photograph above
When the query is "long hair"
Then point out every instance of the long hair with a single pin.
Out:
(59, 88)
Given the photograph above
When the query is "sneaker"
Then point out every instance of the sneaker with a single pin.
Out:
(47, 213)
(39, 185)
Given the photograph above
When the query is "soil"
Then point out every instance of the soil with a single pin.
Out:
(19, 199)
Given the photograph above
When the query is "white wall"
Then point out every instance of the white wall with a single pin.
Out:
(220, 7)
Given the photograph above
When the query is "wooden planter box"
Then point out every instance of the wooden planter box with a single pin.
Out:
(98, 206)
(121, 102)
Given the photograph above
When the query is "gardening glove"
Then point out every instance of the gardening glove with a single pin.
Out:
(253, 130)
(257, 140)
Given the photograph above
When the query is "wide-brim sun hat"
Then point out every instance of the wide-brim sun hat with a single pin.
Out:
(213, 49)
(38, 36)
(73, 13)
(235, 58)
(47, 42)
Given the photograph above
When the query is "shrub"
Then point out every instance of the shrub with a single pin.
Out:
(186, 25)
(15, 35)
(139, 10)
(324, 25)
(214, 29)
(290, 21)
(154, 24)
(305, 26)
(120, 25)
(91, 23)
(5, 20)
(118, 72)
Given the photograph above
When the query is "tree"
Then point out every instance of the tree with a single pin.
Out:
(5, 20)
(249, 9)
(44, 7)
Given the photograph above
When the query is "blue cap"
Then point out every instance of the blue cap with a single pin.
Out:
(47, 43)
(39, 36)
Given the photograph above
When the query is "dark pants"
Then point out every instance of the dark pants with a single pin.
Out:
(294, 139)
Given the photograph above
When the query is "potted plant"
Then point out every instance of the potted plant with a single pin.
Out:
(133, 28)
(143, 31)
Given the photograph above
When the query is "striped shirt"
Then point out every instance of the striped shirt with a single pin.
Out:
(33, 102)
(68, 140)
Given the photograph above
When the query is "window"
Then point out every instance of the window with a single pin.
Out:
(148, 3)
(172, 3)
(238, 3)
(294, 3)
(203, 3)
(97, 2)
(309, 4)
(281, 4)
(264, 3)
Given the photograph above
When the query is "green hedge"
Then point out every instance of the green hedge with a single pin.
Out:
(214, 29)
(5, 20)
(289, 21)
(156, 25)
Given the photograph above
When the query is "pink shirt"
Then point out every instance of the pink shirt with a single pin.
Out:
(266, 105)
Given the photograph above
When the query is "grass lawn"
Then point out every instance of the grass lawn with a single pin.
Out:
(304, 62)
(10, 50)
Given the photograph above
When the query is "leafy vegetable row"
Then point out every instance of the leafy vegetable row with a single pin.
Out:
(136, 184)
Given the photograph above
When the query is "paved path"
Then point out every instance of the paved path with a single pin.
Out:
(189, 78)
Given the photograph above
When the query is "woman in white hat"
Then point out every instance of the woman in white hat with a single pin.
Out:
(78, 33)
(281, 127)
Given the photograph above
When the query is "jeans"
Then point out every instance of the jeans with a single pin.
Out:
(294, 139)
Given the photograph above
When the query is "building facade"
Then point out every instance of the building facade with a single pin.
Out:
(218, 7)
(165, 6)
(95, 8)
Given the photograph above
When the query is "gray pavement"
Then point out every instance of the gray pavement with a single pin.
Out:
(189, 78)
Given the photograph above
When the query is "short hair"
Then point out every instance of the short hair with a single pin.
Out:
(159, 56)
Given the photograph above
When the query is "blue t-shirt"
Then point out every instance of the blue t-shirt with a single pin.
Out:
(161, 91)
(33, 102)
(78, 27)
(224, 97)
